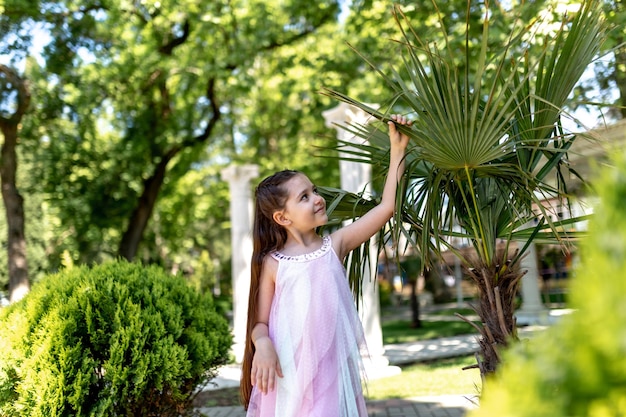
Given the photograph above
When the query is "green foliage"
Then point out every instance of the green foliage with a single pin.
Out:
(487, 145)
(118, 339)
(123, 88)
(120, 85)
(608, 85)
(578, 367)
(486, 141)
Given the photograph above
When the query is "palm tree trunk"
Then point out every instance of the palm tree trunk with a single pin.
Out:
(497, 288)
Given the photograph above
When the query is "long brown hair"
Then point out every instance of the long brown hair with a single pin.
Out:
(267, 236)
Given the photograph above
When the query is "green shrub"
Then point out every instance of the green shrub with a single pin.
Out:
(578, 367)
(118, 339)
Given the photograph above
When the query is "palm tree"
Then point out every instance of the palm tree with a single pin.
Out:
(487, 151)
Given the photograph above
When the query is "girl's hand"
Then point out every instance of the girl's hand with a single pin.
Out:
(351, 236)
(396, 138)
(265, 366)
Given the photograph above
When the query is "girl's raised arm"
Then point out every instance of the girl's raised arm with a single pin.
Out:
(349, 237)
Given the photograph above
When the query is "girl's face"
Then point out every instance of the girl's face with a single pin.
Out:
(305, 208)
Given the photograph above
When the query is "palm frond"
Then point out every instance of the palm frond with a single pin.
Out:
(486, 145)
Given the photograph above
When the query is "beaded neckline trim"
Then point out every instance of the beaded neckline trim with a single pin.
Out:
(307, 256)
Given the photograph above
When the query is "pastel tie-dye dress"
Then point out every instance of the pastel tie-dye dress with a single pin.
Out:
(319, 340)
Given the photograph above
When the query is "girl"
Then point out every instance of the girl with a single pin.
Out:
(302, 356)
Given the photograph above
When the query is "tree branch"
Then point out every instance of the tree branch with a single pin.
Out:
(176, 41)
(23, 95)
(216, 115)
(300, 35)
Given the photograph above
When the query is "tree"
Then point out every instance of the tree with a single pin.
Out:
(132, 99)
(413, 269)
(609, 79)
(487, 151)
(617, 75)
(89, 128)
(605, 86)
(14, 100)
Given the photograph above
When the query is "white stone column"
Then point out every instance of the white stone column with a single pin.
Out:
(356, 177)
(532, 310)
(238, 178)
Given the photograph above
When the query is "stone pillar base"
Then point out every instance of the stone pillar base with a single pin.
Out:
(528, 317)
(377, 367)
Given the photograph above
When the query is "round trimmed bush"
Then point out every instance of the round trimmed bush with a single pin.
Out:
(117, 339)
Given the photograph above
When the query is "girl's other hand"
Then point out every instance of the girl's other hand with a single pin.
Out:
(265, 366)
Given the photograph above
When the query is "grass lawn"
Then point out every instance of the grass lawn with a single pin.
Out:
(442, 377)
(400, 331)
(453, 311)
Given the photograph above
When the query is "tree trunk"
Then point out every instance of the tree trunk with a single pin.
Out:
(498, 285)
(620, 77)
(620, 62)
(13, 201)
(145, 206)
(416, 323)
(152, 186)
